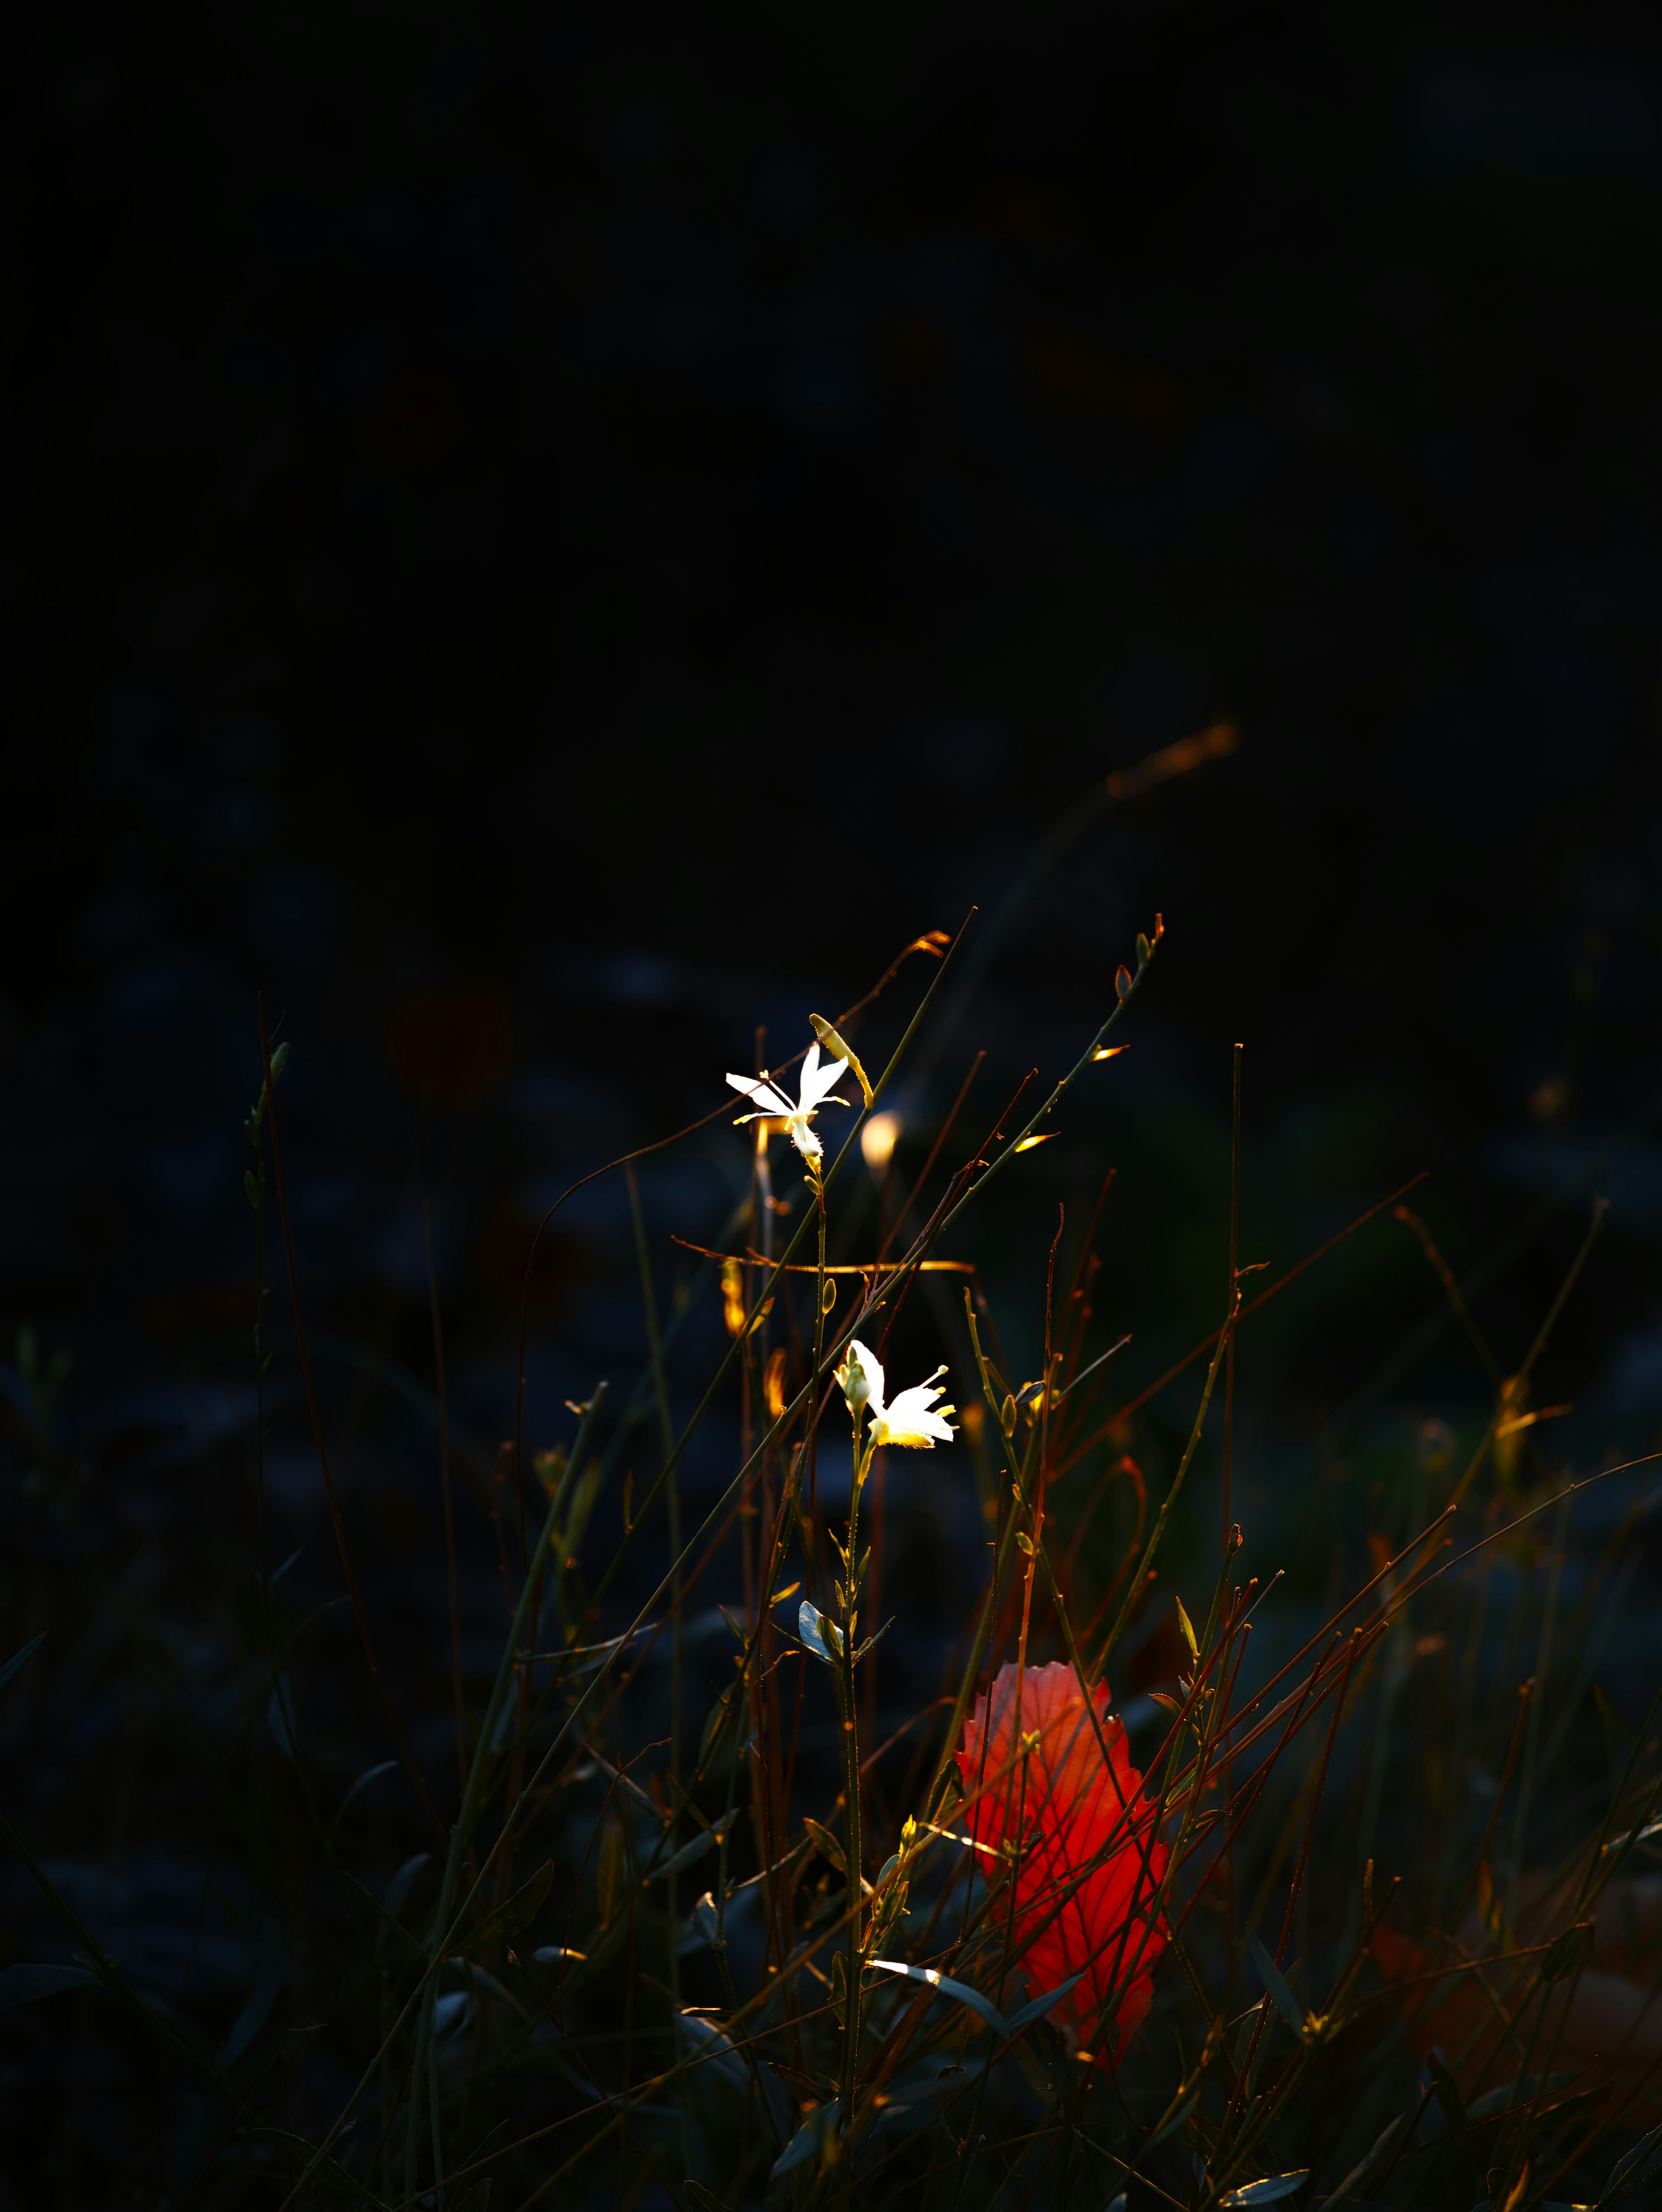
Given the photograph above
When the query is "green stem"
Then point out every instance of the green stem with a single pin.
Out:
(849, 1703)
(460, 1835)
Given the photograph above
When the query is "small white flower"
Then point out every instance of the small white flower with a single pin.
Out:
(812, 1090)
(860, 1378)
(914, 1418)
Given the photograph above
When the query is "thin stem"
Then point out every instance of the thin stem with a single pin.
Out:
(673, 1507)
(449, 1504)
(848, 1725)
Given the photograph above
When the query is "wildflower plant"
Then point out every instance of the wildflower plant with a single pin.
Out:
(785, 1946)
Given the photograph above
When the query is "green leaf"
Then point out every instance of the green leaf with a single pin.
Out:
(1365, 2165)
(1448, 2090)
(982, 2006)
(715, 2053)
(611, 1869)
(1177, 2119)
(1037, 2007)
(716, 1722)
(363, 1780)
(817, 2133)
(1511, 2095)
(1567, 1953)
(18, 1658)
(701, 1927)
(826, 1845)
(278, 1712)
(1642, 2163)
(514, 1913)
(690, 1853)
(270, 1972)
(875, 1638)
(403, 1882)
(1266, 2191)
(818, 1633)
(1275, 1987)
(21, 1985)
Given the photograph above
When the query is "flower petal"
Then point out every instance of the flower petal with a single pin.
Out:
(817, 1081)
(767, 1099)
(871, 1368)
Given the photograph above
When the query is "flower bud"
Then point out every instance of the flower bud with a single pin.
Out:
(854, 1378)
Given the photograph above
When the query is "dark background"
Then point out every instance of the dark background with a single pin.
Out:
(626, 520)
(548, 539)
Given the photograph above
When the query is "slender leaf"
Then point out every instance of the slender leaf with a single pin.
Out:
(826, 1844)
(982, 2006)
(280, 1705)
(1036, 2006)
(270, 1972)
(515, 1912)
(362, 1783)
(700, 1926)
(1369, 2160)
(1511, 2095)
(1642, 2163)
(404, 1881)
(1436, 2072)
(714, 2049)
(21, 1985)
(18, 1658)
(689, 1853)
(876, 1639)
(1266, 2191)
(817, 2130)
(1567, 1953)
(1275, 1986)
(1177, 2119)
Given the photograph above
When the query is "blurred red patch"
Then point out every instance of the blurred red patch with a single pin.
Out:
(418, 423)
(1069, 372)
(451, 1048)
(915, 351)
(1022, 207)
(1088, 1850)
(502, 1251)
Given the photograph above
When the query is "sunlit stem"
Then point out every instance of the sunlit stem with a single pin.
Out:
(810, 1434)
(848, 1709)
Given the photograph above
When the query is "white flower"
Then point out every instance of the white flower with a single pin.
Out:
(812, 1094)
(860, 1378)
(913, 1418)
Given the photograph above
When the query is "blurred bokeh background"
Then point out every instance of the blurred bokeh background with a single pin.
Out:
(548, 544)
(551, 541)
